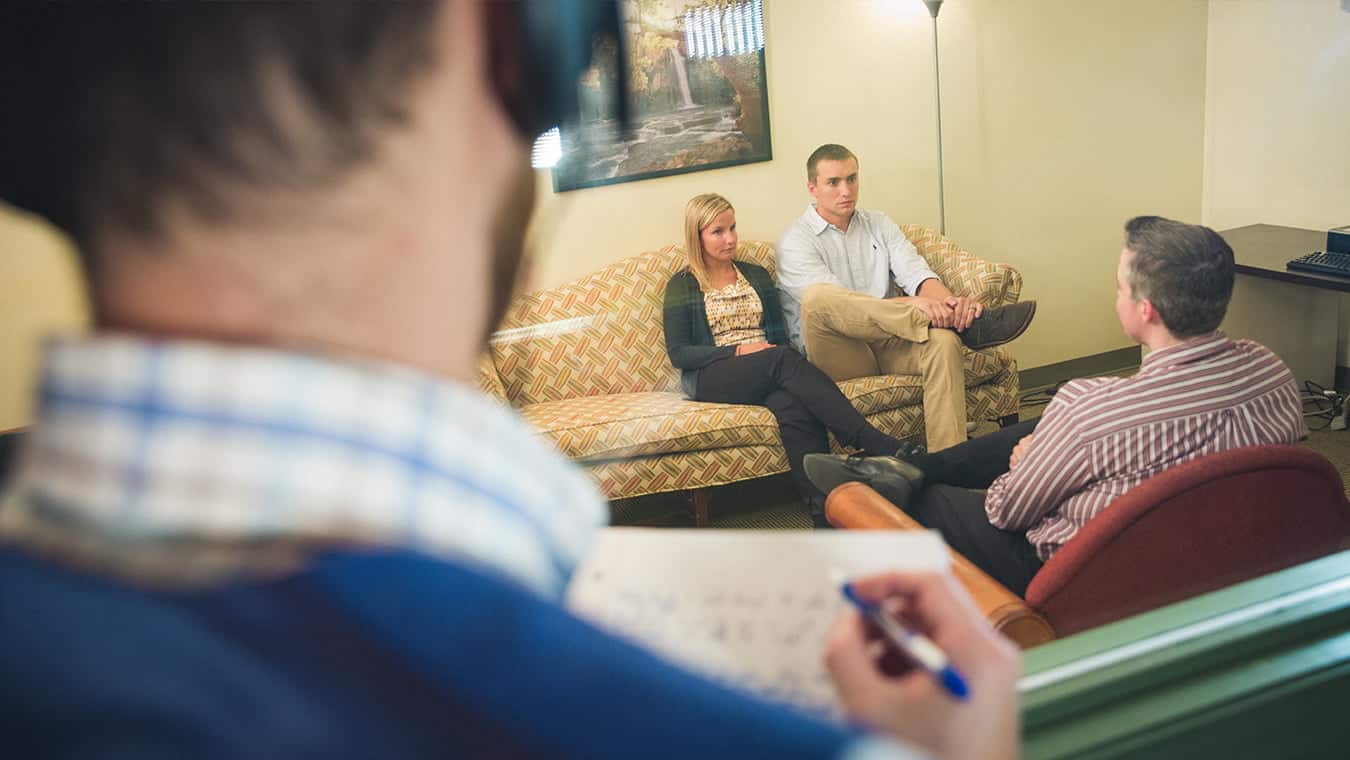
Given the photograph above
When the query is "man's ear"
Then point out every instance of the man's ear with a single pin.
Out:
(1148, 312)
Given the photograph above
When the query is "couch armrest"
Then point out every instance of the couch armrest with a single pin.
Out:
(964, 273)
(856, 506)
(490, 381)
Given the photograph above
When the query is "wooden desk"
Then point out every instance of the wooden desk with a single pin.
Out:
(1295, 314)
(1261, 250)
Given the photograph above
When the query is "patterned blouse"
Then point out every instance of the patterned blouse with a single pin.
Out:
(735, 313)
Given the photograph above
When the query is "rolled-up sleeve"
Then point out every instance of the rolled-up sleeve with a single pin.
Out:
(907, 267)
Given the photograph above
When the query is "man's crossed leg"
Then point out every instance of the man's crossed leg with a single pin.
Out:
(849, 334)
(944, 491)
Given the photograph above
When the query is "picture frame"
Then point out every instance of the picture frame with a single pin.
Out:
(698, 96)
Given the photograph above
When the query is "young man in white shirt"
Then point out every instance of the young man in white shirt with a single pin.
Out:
(859, 300)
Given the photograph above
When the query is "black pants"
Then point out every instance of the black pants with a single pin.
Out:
(979, 461)
(804, 400)
(950, 506)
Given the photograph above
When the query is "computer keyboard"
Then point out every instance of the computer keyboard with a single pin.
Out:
(1323, 262)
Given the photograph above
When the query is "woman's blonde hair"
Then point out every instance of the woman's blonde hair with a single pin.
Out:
(699, 213)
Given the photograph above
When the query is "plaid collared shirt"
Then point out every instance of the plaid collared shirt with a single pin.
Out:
(176, 464)
(182, 462)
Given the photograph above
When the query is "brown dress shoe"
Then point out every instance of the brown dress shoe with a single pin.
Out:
(997, 326)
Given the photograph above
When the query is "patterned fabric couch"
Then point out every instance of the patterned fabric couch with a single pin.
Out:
(586, 363)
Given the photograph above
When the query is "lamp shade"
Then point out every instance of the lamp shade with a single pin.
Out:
(935, 5)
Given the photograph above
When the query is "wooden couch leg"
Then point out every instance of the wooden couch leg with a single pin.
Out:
(1008, 419)
(698, 506)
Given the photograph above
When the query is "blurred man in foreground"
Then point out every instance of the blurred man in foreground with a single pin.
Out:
(263, 512)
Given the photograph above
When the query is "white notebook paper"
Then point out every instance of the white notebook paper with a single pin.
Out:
(750, 609)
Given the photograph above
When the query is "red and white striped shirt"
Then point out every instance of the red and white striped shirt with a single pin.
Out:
(1102, 436)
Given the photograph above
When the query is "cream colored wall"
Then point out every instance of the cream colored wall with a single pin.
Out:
(1060, 121)
(40, 294)
(1277, 140)
(1277, 137)
(1064, 120)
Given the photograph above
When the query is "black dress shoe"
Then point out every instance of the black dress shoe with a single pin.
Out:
(893, 478)
(994, 327)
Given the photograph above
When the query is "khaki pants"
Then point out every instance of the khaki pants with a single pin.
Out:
(850, 335)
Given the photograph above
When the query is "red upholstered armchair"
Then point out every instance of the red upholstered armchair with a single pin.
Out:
(1197, 527)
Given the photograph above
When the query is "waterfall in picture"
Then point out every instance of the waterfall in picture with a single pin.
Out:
(681, 76)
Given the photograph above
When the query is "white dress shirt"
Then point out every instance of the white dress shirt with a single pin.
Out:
(872, 257)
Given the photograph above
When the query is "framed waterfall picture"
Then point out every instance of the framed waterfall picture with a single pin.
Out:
(697, 94)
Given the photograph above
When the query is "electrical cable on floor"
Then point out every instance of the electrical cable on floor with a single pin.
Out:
(1323, 408)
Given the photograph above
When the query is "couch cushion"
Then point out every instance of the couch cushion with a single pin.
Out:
(620, 425)
(881, 392)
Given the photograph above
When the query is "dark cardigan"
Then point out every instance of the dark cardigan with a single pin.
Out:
(689, 339)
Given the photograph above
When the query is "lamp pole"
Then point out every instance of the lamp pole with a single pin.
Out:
(933, 7)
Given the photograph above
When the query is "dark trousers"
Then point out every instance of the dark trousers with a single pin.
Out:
(804, 400)
(977, 462)
(950, 505)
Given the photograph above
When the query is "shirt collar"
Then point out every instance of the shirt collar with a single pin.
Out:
(1189, 350)
(814, 221)
(818, 224)
(144, 448)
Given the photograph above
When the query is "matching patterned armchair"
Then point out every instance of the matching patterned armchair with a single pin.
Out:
(586, 364)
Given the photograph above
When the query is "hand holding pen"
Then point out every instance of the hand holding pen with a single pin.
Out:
(918, 648)
(912, 704)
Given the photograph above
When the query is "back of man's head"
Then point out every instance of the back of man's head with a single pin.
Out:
(1185, 270)
(119, 112)
(826, 152)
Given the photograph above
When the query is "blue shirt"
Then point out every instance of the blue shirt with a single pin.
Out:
(872, 257)
(232, 552)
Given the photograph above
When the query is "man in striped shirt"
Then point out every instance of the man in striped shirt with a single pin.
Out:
(1196, 393)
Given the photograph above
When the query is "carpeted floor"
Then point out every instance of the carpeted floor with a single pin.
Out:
(772, 503)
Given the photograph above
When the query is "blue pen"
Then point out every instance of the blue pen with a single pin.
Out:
(918, 647)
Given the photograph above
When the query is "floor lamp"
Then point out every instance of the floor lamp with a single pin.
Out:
(933, 7)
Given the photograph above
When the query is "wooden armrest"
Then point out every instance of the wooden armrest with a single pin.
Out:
(856, 506)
